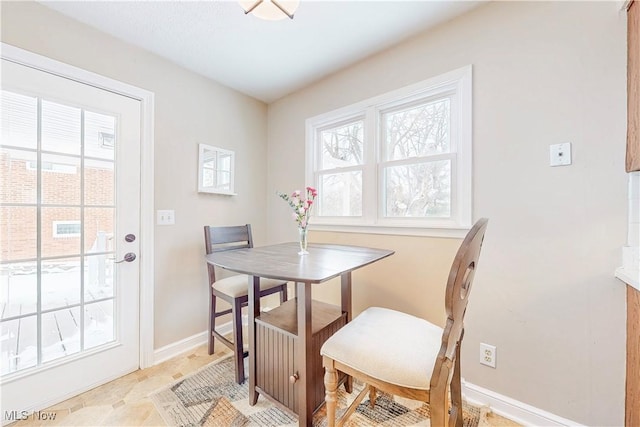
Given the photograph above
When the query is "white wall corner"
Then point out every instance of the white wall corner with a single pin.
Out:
(512, 409)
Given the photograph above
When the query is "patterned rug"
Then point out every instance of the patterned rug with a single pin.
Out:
(211, 397)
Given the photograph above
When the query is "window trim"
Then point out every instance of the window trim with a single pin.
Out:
(458, 81)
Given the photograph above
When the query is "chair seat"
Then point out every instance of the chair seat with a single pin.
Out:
(238, 285)
(385, 344)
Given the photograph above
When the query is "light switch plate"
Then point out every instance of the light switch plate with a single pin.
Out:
(560, 154)
(165, 217)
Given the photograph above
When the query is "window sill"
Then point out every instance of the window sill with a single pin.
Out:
(630, 270)
(449, 232)
(628, 276)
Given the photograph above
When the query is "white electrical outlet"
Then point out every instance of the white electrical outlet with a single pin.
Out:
(165, 217)
(488, 355)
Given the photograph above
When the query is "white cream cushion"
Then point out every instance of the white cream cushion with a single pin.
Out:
(388, 345)
(238, 285)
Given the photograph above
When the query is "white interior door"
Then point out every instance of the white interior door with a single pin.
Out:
(69, 194)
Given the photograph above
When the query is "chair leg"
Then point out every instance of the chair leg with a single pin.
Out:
(439, 398)
(237, 340)
(372, 396)
(283, 294)
(456, 392)
(331, 391)
(212, 319)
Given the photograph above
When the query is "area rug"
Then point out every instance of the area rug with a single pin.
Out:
(211, 397)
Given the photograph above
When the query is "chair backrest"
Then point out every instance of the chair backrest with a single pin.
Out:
(217, 239)
(456, 298)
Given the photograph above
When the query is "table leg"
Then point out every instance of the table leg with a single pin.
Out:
(305, 342)
(345, 298)
(254, 311)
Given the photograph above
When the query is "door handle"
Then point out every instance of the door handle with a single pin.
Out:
(128, 257)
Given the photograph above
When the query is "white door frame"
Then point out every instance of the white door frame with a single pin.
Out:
(146, 98)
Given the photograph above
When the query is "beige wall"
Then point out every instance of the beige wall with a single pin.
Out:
(189, 109)
(544, 73)
(545, 295)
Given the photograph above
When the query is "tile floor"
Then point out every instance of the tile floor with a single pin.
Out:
(125, 401)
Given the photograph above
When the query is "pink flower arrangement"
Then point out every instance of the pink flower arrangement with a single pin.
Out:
(301, 206)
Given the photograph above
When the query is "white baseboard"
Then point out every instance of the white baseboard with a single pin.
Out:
(513, 409)
(174, 349)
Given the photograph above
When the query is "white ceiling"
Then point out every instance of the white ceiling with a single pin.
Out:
(263, 59)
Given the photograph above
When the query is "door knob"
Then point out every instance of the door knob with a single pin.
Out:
(128, 257)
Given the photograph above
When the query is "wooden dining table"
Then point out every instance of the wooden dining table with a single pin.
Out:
(284, 343)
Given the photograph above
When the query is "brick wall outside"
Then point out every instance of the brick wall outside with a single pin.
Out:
(18, 225)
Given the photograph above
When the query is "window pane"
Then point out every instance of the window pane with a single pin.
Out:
(18, 289)
(420, 190)
(98, 277)
(98, 229)
(60, 180)
(99, 183)
(99, 135)
(98, 323)
(342, 145)
(18, 346)
(60, 128)
(341, 194)
(19, 176)
(60, 283)
(53, 243)
(19, 119)
(18, 236)
(417, 131)
(60, 333)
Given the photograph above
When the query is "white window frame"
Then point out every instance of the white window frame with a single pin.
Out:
(457, 84)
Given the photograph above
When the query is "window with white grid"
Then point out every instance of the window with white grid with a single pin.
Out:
(401, 160)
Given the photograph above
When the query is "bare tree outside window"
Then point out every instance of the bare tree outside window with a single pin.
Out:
(415, 184)
(340, 189)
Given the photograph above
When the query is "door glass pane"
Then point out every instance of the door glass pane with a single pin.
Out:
(99, 183)
(60, 333)
(18, 289)
(60, 231)
(342, 145)
(60, 283)
(418, 190)
(60, 128)
(60, 180)
(98, 322)
(99, 229)
(19, 119)
(99, 135)
(19, 176)
(18, 344)
(98, 277)
(417, 131)
(57, 223)
(341, 194)
(18, 228)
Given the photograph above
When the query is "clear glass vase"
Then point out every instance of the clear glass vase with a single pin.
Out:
(303, 240)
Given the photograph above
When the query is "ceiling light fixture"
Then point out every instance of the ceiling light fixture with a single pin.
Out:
(271, 10)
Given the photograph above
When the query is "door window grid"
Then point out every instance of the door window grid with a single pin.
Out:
(81, 316)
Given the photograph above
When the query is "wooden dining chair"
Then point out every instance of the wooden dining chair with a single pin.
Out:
(234, 290)
(404, 355)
